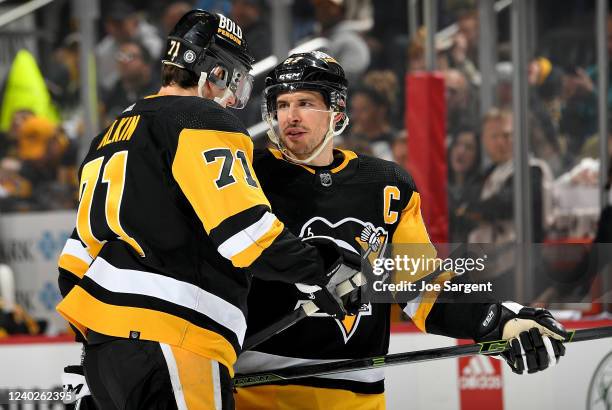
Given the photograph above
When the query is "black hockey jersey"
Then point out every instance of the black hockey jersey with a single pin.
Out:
(357, 194)
(170, 213)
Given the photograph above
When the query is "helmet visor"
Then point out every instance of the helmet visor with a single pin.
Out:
(230, 73)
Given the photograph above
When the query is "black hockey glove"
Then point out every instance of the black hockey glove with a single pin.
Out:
(536, 338)
(345, 267)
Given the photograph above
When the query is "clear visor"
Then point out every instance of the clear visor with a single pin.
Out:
(237, 80)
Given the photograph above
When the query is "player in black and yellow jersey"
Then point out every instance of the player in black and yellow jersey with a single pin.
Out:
(171, 226)
(364, 204)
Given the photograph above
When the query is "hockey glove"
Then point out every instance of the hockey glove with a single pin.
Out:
(535, 337)
(74, 384)
(326, 297)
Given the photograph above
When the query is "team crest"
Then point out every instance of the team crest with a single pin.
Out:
(368, 240)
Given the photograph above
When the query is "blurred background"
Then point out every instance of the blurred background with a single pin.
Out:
(448, 104)
(499, 109)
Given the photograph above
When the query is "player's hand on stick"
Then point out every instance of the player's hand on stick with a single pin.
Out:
(74, 384)
(535, 337)
(342, 284)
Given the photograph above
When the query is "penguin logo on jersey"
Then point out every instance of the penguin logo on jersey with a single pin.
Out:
(356, 236)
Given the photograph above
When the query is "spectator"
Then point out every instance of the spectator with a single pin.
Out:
(579, 110)
(346, 45)
(415, 53)
(387, 84)
(8, 140)
(463, 55)
(544, 142)
(461, 106)
(463, 181)
(503, 90)
(172, 14)
(121, 24)
(390, 19)
(30, 181)
(494, 210)
(400, 149)
(546, 82)
(62, 77)
(250, 16)
(370, 121)
(136, 79)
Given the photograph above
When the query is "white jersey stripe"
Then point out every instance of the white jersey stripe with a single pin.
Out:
(248, 236)
(216, 379)
(177, 387)
(75, 248)
(412, 307)
(171, 290)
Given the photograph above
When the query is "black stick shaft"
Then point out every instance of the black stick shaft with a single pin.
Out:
(276, 327)
(342, 366)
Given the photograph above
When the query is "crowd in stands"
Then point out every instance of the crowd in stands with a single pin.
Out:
(38, 155)
(370, 39)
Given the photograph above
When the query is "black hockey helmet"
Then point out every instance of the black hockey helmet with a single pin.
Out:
(313, 71)
(212, 47)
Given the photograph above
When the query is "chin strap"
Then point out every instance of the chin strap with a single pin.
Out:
(222, 101)
(201, 83)
(331, 132)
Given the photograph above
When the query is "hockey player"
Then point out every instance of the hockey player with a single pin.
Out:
(365, 204)
(171, 216)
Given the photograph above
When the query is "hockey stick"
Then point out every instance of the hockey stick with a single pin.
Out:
(305, 310)
(309, 308)
(486, 348)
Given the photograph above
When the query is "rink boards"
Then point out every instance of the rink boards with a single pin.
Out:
(465, 384)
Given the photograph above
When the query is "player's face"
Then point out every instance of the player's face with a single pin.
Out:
(303, 119)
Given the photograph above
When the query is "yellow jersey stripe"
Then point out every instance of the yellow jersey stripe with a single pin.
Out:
(177, 292)
(427, 302)
(296, 397)
(85, 311)
(257, 246)
(73, 265)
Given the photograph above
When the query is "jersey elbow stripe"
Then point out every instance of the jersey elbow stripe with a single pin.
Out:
(74, 258)
(250, 254)
(420, 309)
(73, 265)
(245, 246)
